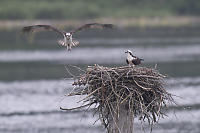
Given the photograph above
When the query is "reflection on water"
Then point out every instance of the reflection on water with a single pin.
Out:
(33, 84)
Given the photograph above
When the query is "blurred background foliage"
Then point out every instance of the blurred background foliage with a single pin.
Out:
(89, 9)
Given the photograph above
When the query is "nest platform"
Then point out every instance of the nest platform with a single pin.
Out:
(139, 89)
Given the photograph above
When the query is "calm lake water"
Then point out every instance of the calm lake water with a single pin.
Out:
(34, 80)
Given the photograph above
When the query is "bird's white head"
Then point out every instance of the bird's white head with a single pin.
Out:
(128, 52)
(68, 35)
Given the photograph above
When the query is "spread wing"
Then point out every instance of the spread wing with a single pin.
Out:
(93, 25)
(36, 28)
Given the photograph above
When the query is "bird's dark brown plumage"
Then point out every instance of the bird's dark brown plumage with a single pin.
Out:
(67, 40)
(33, 28)
(93, 25)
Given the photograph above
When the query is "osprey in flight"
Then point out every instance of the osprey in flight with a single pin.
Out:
(131, 59)
(68, 40)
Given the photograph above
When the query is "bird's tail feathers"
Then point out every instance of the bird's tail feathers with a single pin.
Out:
(62, 43)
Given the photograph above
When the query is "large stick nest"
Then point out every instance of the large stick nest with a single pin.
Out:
(140, 89)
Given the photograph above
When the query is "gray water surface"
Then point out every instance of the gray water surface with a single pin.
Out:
(34, 80)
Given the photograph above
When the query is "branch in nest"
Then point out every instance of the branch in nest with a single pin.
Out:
(140, 89)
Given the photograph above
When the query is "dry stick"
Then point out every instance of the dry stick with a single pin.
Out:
(142, 86)
(89, 95)
(77, 68)
(126, 98)
(112, 85)
(113, 117)
(69, 72)
(71, 92)
(147, 76)
(137, 98)
(77, 107)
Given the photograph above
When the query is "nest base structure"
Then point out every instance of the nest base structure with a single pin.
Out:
(122, 93)
(121, 121)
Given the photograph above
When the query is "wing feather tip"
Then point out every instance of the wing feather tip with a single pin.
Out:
(110, 26)
(26, 29)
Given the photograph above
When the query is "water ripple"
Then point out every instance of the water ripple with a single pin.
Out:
(105, 55)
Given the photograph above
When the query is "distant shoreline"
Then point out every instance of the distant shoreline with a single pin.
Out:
(173, 21)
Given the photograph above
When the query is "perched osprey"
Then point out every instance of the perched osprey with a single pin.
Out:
(132, 60)
(68, 40)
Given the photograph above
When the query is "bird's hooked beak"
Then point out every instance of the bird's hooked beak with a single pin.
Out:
(128, 52)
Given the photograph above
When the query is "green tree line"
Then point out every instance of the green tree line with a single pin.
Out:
(79, 9)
